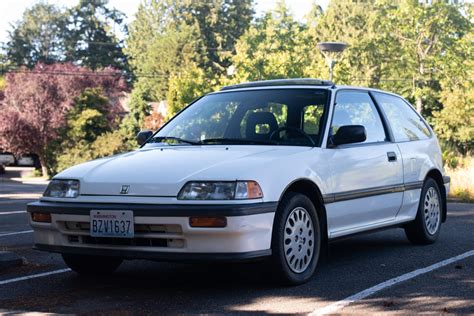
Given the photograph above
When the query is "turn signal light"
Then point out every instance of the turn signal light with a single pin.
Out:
(207, 221)
(41, 217)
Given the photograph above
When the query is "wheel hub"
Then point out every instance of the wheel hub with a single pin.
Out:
(299, 240)
(431, 211)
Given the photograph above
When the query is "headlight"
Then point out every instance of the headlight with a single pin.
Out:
(238, 190)
(62, 189)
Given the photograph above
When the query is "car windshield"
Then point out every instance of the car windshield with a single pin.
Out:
(291, 117)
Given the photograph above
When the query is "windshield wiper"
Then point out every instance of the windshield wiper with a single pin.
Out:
(159, 139)
(238, 141)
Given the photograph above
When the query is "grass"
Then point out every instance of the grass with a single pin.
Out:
(462, 179)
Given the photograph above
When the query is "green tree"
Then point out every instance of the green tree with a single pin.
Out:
(355, 23)
(91, 38)
(423, 35)
(38, 36)
(139, 109)
(454, 123)
(88, 119)
(172, 41)
(88, 133)
(272, 48)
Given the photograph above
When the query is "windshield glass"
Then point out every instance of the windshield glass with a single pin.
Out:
(291, 117)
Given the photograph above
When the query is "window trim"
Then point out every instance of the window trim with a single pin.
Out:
(386, 129)
(407, 104)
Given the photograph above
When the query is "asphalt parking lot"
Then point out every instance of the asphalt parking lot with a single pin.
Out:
(372, 273)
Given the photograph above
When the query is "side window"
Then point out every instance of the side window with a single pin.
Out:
(311, 118)
(357, 108)
(405, 122)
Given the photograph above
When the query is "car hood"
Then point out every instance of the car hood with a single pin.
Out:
(162, 171)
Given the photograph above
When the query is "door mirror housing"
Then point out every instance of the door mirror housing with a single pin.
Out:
(349, 134)
(143, 136)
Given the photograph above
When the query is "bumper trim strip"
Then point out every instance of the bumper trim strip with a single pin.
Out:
(159, 256)
(158, 210)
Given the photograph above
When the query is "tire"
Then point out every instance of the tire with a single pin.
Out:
(426, 227)
(91, 265)
(298, 212)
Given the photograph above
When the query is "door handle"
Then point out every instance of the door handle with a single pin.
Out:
(391, 156)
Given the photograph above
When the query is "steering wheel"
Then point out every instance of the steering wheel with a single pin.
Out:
(294, 129)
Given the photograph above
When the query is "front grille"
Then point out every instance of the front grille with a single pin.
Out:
(77, 232)
(138, 228)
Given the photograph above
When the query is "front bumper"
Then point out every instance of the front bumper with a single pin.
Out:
(162, 232)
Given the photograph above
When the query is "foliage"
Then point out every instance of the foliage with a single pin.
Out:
(88, 119)
(107, 144)
(274, 47)
(185, 87)
(139, 109)
(36, 103)
(38, 36)
(175, 43)
(454, 123)
(91, 39)
(84, 34)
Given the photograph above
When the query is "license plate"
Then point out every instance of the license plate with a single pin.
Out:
(111, 224)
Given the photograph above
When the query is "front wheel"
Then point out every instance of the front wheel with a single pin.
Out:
(426, 227)
(91, 265)
(296, 240)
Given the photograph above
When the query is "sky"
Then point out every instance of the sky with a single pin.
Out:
(12, 10)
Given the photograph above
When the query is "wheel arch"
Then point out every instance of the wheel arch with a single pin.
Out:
(312, 191)
(436, 175)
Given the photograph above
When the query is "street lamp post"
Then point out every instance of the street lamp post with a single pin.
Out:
(331, 51)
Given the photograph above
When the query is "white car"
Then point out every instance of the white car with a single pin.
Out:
(271, 169)
(7, 159)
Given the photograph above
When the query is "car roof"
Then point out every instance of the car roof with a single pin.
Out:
(280, 82)
(295, 84)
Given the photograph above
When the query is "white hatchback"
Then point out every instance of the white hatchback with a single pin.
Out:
(272, 169)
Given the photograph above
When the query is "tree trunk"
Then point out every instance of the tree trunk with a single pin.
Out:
(44, 169)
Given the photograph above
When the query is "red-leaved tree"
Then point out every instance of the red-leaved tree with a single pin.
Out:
(36, 102)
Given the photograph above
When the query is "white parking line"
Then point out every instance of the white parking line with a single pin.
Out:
(332, 308)
(34, 276)
(10, 213)
(16, 233)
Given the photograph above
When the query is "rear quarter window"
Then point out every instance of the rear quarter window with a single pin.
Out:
(406, 124)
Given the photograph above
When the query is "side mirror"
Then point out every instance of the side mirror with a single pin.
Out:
(349, 134)
(143, 136)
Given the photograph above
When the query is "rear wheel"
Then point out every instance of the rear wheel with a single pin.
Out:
(296, 242)
(426, 227)
(91, 265)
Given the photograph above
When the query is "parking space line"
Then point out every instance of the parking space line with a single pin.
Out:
(334, 307)
(10, 213)
(34, 276)
(16, 233)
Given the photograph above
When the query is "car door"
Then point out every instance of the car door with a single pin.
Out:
(413, 138)
(366, 178)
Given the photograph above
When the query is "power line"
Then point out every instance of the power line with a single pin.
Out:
(6, 70)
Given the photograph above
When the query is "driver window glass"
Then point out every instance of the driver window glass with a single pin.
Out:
(357, 108)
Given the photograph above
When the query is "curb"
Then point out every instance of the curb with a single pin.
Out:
(9, 259)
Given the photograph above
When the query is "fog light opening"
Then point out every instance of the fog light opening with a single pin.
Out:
(41, 217)
(214, 222)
